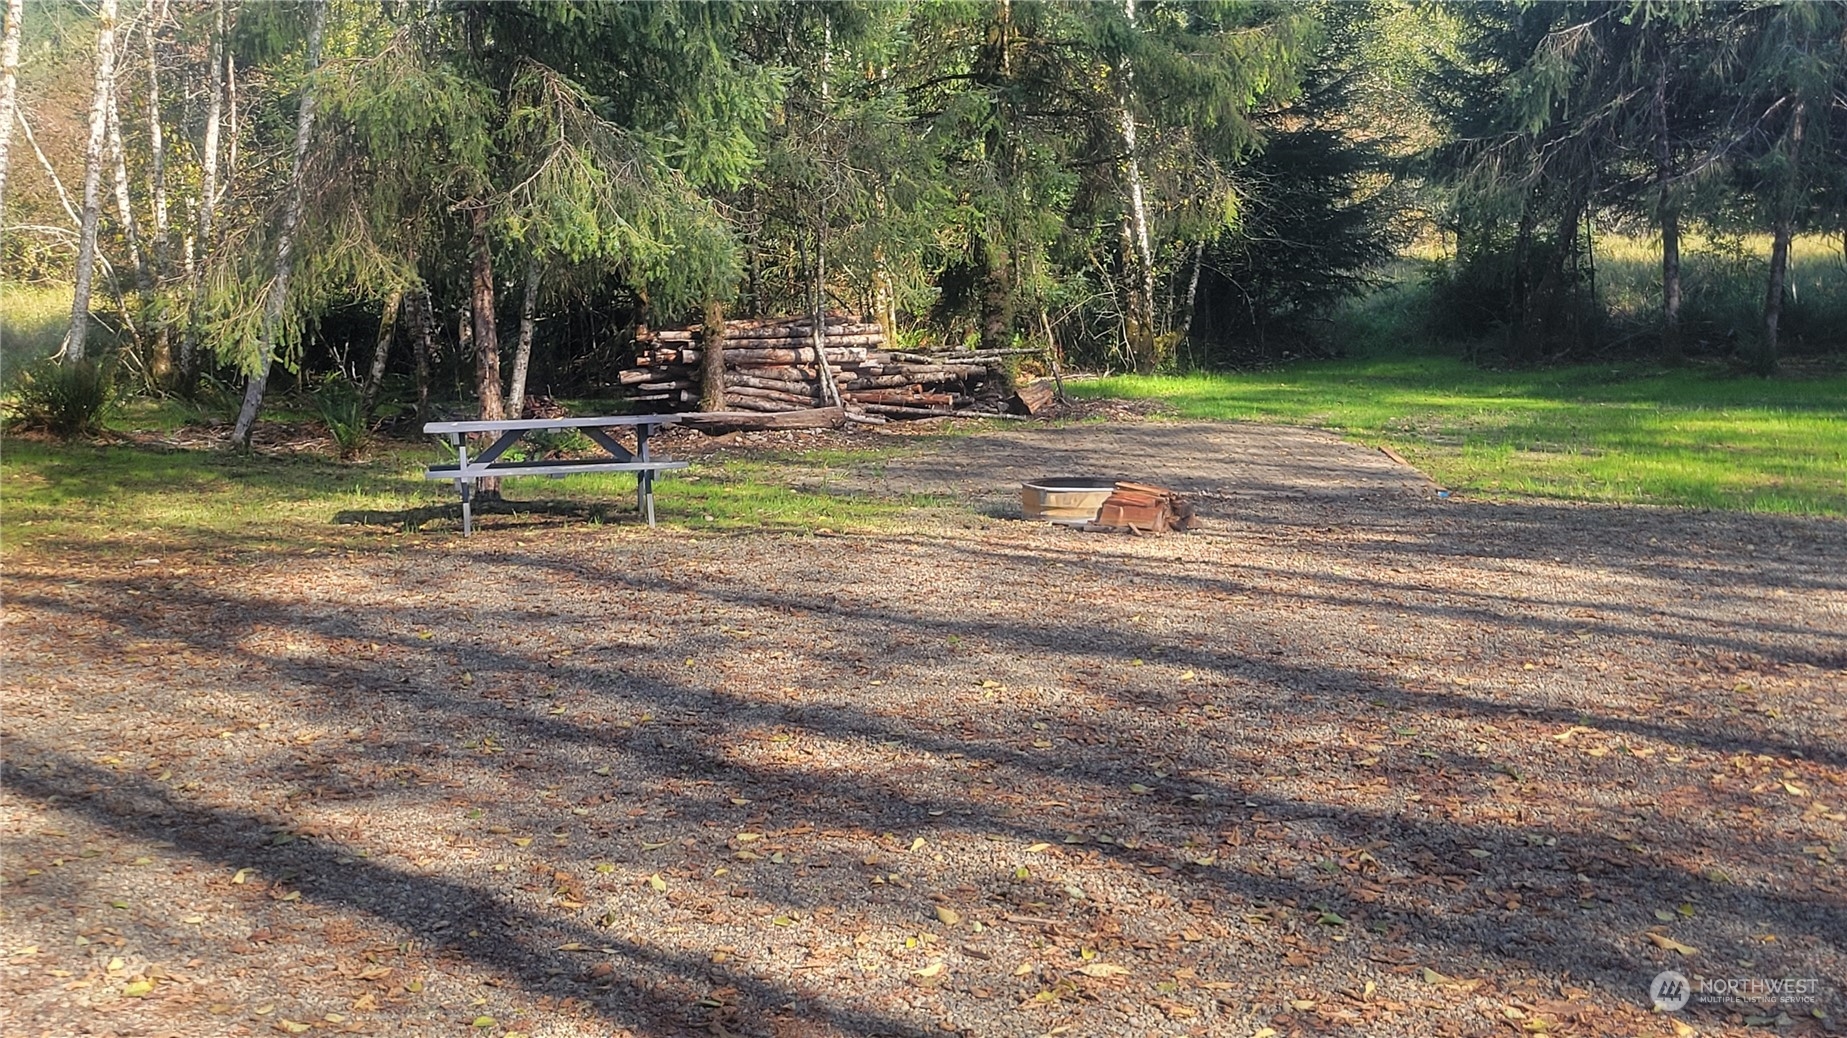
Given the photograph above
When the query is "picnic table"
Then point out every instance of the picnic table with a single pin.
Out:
(486, 464)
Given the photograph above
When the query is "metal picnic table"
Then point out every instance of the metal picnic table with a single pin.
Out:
(486, 464)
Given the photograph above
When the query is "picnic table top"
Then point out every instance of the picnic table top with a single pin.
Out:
(513, 424)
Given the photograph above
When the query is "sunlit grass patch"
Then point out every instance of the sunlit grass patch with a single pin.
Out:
(118, 499)
(1626, 433)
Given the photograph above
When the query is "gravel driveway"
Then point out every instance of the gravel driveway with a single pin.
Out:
(1350, 759)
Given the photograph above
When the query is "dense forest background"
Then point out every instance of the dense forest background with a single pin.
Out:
(408, 201)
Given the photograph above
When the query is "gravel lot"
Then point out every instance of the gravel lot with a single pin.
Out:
(1350, 759)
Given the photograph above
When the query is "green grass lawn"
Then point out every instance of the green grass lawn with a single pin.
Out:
(1586, 433)
(131, 499)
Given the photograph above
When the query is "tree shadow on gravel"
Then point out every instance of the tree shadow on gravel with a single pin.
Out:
(1573, 865)
(1588, 893)
(425, 905)
(541, 513)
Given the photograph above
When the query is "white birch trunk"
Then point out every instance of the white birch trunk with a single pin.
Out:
(157, 146)
(1192, 291)
(208, 193)
(381, 351)
(75, 339)
(1140, 310)
(278, 296)
(9, 84)
(230, 104)
(124, 205)
(522, 348)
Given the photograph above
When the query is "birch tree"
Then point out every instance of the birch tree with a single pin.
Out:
(219, 56)
(76, 338)
(522, 346)
(9, 85)
(1139, 255)
(276, 299)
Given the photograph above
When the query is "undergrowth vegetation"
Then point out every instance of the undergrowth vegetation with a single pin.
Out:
(66, 400)
(1425, 303)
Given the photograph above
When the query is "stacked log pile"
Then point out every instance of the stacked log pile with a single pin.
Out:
(770, 366)
(1142, 508)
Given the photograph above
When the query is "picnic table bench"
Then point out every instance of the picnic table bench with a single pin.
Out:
(486, 464)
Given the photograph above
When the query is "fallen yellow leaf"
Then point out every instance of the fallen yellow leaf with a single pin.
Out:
(949, 916)
(1664, 941)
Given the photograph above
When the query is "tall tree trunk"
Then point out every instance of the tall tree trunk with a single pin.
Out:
(230, 111)
(522, 347)
(712, 358)
(824, 372)
(996, 294)
(208, 200)
(79, 333)
(1192, 291)
(9, 84)
(422, 319)
(157, 146)
(1667, 213)
(1139, 311)
(160, 364)
(381, 351)
(486, 329)
(131, 230)
(1788, 197)
(278, 297)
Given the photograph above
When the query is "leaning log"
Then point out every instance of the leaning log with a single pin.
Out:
(906, 412)
(716, 422)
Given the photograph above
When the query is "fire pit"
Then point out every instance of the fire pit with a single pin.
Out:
(1088, 503)
(1072, 500)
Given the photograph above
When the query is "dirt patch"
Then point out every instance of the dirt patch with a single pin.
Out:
(1352, 759)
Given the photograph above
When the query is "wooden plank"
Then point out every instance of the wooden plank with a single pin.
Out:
(550, 423)
(565, 467)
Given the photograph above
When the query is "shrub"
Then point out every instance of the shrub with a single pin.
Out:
(345, 416)
(66, 400)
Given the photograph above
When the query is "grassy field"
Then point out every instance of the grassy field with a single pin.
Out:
(1586, 433)
(128, 498)
(33, 320)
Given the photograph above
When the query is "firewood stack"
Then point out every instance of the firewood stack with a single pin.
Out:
(770, 366)
(1141, 508)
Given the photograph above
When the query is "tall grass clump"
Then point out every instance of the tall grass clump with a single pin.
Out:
(66, 400)
(342, 410)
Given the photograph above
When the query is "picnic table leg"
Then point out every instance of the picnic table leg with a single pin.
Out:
(644, 479)
(464, 486)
